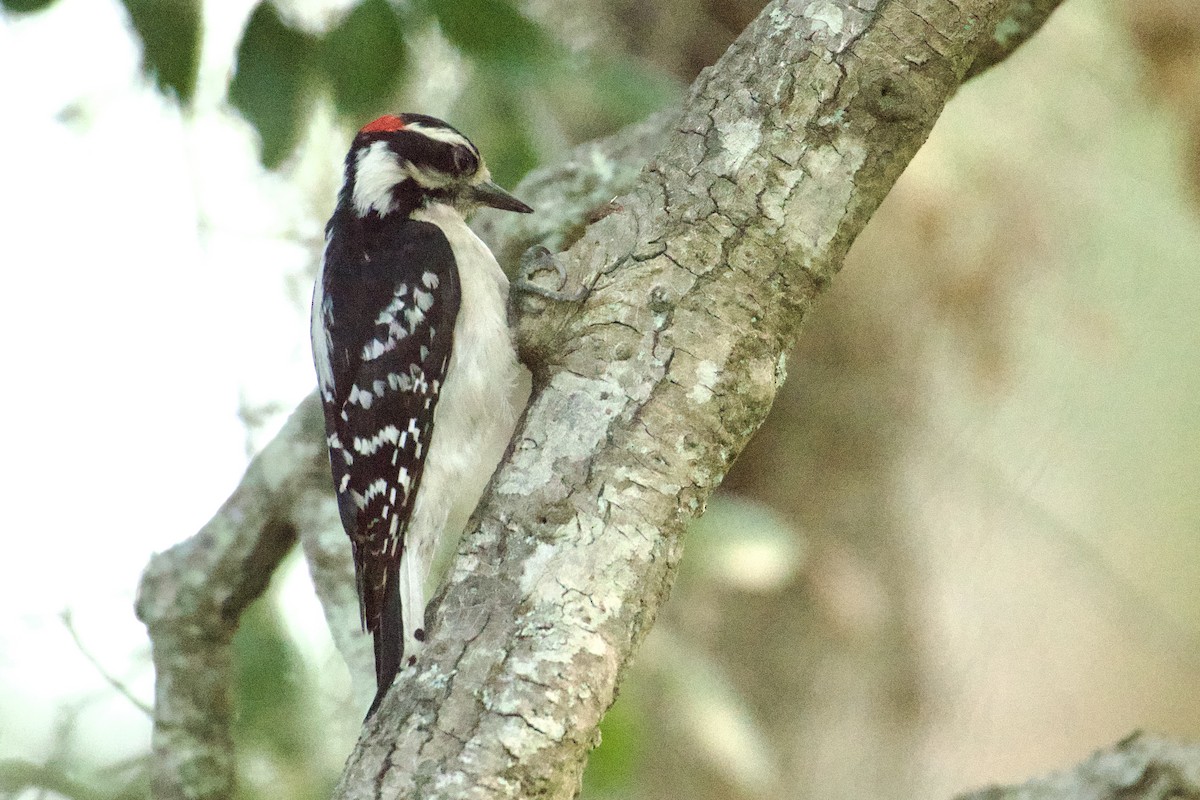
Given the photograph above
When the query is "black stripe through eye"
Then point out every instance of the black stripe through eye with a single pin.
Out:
(426, 153)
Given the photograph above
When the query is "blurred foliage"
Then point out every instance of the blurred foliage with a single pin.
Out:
(743, 544)
(364, 57)
(268, 682)
(612, 768)
(170, 31)
(24, 6)
(270, 87)
(363, 61)
(500, 124)
(279, 741)
(1167, 33)
(493, 32)
(18, 776)
(277, 738)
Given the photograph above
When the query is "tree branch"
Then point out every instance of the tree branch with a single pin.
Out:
(1140, 767)
(697, 282)
(192, 596)
(645, 392)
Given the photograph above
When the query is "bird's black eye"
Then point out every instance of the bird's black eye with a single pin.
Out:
(465, 161)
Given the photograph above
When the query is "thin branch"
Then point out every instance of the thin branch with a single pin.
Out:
(118, 685)
(18, 776)
(1009, 31)
(192, 596)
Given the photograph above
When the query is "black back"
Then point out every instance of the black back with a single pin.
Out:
(390, 281)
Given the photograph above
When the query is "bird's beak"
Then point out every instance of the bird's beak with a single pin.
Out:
(489, 194)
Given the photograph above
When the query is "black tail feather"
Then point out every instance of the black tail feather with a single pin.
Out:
(389, 638)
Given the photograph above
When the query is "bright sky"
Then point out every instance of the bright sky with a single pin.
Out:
(156, 279)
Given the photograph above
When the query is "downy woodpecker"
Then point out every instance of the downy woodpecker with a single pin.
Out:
(415, 361)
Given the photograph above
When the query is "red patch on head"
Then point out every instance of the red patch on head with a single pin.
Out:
(385, 124)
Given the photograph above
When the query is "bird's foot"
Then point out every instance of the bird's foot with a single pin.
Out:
(538, 259)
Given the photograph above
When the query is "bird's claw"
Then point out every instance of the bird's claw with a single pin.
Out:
(538, 259)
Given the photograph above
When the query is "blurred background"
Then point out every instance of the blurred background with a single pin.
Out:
(964, 549)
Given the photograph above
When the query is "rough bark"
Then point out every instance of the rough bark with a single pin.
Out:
(1140, 767)
(697, 282)
(192, 596)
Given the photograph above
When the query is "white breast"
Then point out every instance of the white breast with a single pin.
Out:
(475, 415)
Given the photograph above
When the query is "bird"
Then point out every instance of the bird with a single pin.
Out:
(415, 362)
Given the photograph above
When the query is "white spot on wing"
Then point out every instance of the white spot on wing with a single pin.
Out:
(375, 489)
(391, 317)
(359, 397)
(369, 446)
(374, 349)
(405, 482)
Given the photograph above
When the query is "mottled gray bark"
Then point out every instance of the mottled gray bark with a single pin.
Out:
(192, 596)
(696, 283)
(1139, 768)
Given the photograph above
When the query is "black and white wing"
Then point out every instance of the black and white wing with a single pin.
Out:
(381, 368)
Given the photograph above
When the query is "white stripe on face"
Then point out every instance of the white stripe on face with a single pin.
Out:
(376, 171)
(441, 135)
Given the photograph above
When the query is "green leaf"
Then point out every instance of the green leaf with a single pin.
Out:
(271, 84)
(170, 31)
(24, 6)
(492, 30)
(364, 58)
